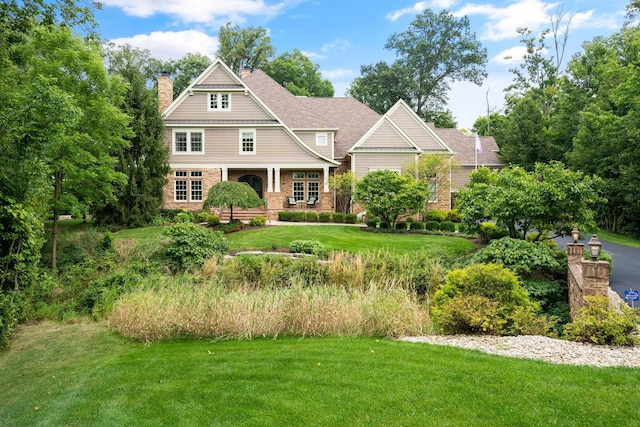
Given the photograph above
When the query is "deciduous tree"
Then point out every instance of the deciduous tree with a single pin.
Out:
(296, 73)
(248, 47)
(227, 194)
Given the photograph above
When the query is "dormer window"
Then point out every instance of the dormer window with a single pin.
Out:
(219, 102)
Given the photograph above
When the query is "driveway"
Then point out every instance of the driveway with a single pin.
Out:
(626, 265)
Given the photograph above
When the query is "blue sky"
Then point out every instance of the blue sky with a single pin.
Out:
(342, 35)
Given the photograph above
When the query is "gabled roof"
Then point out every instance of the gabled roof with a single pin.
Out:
(464, 147)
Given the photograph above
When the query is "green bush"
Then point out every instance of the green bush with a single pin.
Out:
(231, 227)
(432, 225)
(521, 257)
(9, 316)
(213, 220)
(169, 215)
(599, 323)
(203, 216)
(384, 225)
(447, 226)
(486, 298)
(351, 218)
(184, 216)
(435, 215)
(490, 231)
(417, 226)
(258, 221)
(552, 297)
(307, 247)
(192, 245)
(312, 217)
(338, 217)
(297, 216)
(604, 256)
(284, 215)
(454, 216)
(324, 217)
(401, 226)
(373, 222)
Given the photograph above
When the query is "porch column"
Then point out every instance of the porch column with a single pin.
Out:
(225, 174)
(269, 180)
(277, 173)
(326, 179)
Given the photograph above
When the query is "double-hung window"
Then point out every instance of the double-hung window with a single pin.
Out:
(196, 186)
(247, 141)
(180, 186)
(188, 141)
(219, 102)
(188, 186)
(306, 185)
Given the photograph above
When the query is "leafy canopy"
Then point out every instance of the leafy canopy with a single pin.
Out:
(296, 73)
(241, 48)
(227, 194)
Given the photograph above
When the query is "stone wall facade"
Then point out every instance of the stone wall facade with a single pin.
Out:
(585, 278)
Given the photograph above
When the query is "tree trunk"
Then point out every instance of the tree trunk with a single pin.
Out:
(230, 214)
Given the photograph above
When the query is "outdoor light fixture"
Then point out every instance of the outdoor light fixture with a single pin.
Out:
(575, 234)
(594, 247)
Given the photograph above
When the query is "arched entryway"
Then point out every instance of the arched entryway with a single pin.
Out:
(254, 181)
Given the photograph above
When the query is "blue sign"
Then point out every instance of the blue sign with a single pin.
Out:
(631, 295)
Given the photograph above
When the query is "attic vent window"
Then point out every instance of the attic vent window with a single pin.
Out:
(219, 102)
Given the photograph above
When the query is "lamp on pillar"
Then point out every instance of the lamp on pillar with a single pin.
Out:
(575, 234)
(594, 247)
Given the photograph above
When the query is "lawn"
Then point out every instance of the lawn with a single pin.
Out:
(81, 374)
(619, 239)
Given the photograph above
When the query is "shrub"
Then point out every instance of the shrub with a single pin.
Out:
(284, 215)
(258, 221)
(202, 216)
(520, 256)
(324, 217)
(372, 222)
(213, 220)
(351, 218)
(490, 231)
(184, 216)
(432, 225)
(604, 256)
(192, 245)
(435, 215)
(599, 323)
(9, 316)
(338, 217)
(447, 226)
(486, 298)
(384, 225)
(297, 216)
(231, 227)
(169, 215)
(454, 216)
(419, 226)
(312, 217)
(401, 226)
(409, 219)
(307, 247)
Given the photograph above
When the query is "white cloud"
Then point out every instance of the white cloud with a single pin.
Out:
(336, 74)
(171, 44)
(514, 54)
(313, 55)
(199, 11)
(420, 7)
(337, 44)
(502, 23)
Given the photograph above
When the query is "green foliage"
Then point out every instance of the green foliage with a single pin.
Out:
(307, 247)
(184, 216)
(453, 215)
(169, 215)
(389, 195)
(384, 225)
(242, 48)
(435, 215)
(191, 245)
(600, 323)
(490, 231)
(231, 227)
(486, 298)
(213, 220)
(298, 216)
(324, 217)
(9, 316)
(519, 256)
(432, 225)
(183, 71)
(401, 226)
(296, 73)
(338, 217)
(202, 216)
(312, 217)
(552, 297)
(448, 226)
(258, 221)
(343, 185)
(227, 194)
(548, 200)
(372, 222)
(417, 226)
(351, 218)
(284, 215)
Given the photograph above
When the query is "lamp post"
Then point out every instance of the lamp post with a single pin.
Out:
(575, 234)
(594, 247)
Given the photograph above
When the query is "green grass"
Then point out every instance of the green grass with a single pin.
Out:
(618, 239)
(79, 375)
(145, 234)
(350, 239)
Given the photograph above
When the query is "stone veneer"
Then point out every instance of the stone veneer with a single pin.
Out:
(585, 278)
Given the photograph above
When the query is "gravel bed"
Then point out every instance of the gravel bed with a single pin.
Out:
(540, 348)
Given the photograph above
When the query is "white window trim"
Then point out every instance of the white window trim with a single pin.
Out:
(191, 181)
(326, 139)
(188, 132)
(186, 190)
(218, 101)
(435, 184)
(255, 142)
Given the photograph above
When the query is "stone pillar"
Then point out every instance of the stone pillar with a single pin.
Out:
(165, 91)
(575, 252)
(277, 174)
(595, 275)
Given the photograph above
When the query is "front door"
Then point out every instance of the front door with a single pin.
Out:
(254, 181)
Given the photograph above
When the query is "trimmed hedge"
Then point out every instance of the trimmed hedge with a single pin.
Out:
(435, 215)
(338, 217)
(284, 215)
(419, 226)
(447, 226)
(324, 217)
(351, 218)
(432, 225)
(312, 217)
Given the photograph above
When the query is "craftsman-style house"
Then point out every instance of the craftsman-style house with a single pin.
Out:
(250, 129)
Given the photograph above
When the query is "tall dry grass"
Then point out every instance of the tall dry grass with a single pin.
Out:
(214, 311)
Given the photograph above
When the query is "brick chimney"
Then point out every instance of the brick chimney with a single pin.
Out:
(165, 91)
(245, 72)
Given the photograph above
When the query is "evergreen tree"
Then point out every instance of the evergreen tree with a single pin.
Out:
(145, 160)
